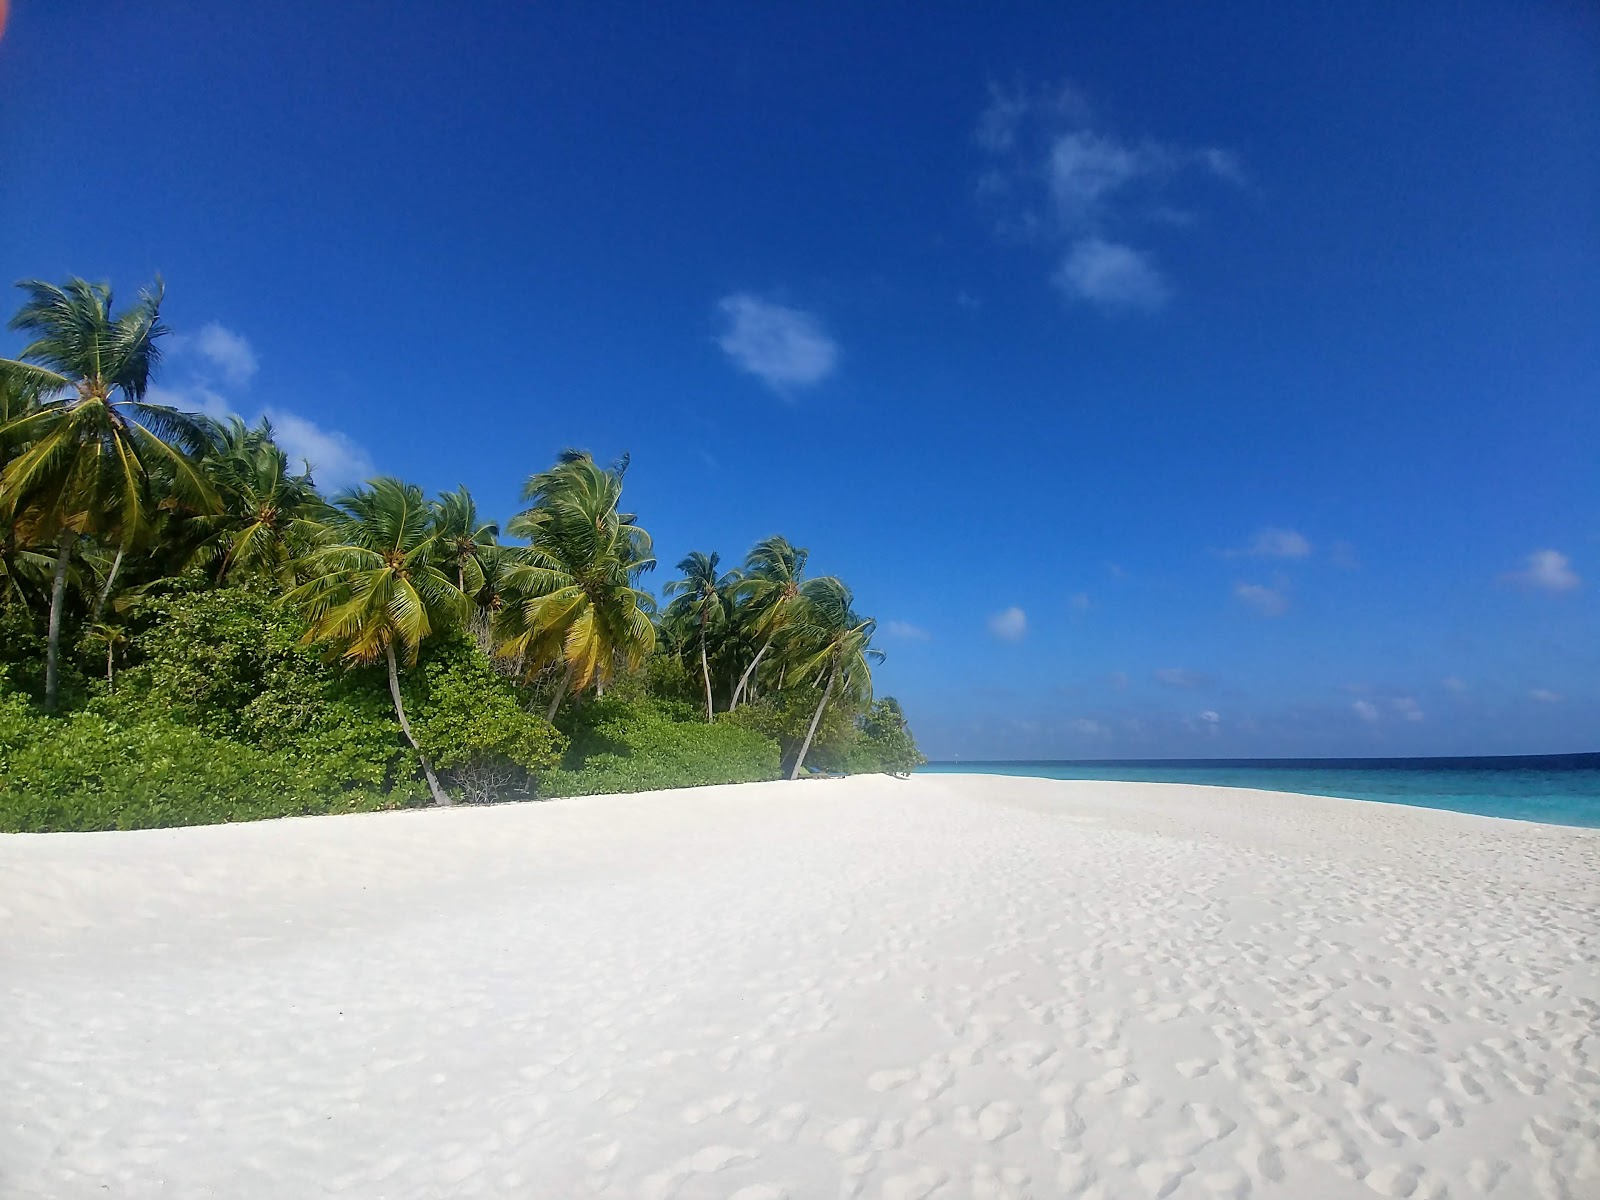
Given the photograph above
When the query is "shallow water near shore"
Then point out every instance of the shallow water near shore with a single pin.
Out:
(1557, 789)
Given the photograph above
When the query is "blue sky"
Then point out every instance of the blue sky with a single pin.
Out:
(1167, 379)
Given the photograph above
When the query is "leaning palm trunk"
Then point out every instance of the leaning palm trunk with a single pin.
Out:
(561, 690)
(749, 672)
(105, 591)
(440, 796)
(705, 671)
(816, 719)
(58, 599)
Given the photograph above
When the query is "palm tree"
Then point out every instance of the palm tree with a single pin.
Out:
(112, 637)
(701, 602)
(834, 644)
(267, 514)
(770, 588)
(25, 570)
(462, 537)
(376, 586)
(570, 593)
(92, 441)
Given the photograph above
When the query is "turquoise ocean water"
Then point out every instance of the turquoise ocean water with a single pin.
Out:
(1560, 789)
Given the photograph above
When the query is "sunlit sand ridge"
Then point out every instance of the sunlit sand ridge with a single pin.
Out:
(953, 986)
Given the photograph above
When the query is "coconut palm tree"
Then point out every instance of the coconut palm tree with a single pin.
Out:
(113, 638)
(25, 568)
(833, 645)
(376, 587)
(701, 602)
(462, 537)
(268, 513)
(91, 441)
(571, 597)
(769, 589)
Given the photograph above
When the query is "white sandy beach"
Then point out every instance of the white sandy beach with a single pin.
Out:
(954, 986)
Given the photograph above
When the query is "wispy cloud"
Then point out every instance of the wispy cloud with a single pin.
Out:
(1272, 542)
(1546, 571)
(1112, 276)
(336, 459)
(1011, 625)
(1058, 176)
(1178, 677)
(1454, 683)
(1407, 708)
(216, 364)
(1269, 602)
(906, 631)
(227, 353)
(1545, 696)
(192, 397)
(783, 347)
(1091, 728)
(1208, 720)
(1366, 710)
(1081, 602)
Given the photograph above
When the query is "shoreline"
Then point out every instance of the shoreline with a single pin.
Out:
(947, 985)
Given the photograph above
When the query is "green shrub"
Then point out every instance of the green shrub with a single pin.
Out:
(884, 743)
(623, 746)
(230, 664)
(474, 725)
(84, 772)
(785, 717)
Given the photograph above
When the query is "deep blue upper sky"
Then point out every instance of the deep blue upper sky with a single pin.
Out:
(1167, 379)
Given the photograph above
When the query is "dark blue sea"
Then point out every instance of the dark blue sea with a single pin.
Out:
(1559, 789)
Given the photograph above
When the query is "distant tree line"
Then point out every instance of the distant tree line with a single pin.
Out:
(192, 631)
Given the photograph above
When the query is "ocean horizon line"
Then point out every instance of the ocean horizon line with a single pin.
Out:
(1580, 760)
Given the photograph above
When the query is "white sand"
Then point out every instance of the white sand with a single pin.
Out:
(953, 986)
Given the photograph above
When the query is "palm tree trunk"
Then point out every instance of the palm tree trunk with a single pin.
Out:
(111, 683)
(58, 600)
(816, 719)
(561, 691)
(440, 796)
(705, 670)
(105, 591)
(744, 680)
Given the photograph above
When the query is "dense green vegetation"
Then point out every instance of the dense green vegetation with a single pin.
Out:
(191, 632)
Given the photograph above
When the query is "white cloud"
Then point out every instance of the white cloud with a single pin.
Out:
(1407, 708)
(1114, 277)
(1058, 175)
(783, 347)
(229, 353)
(1547, 570)
(1090, 728)
(1179, 678)
(1118, 680)
(336, 459)
(907, 631)
(1274, 543)
(1085, 169)
(193, 399)
(1265, 600)
(1454, 683)
(1208, 720)
(1010, 625)
(1545, 696)
(1366, 710)
(1080, 601)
